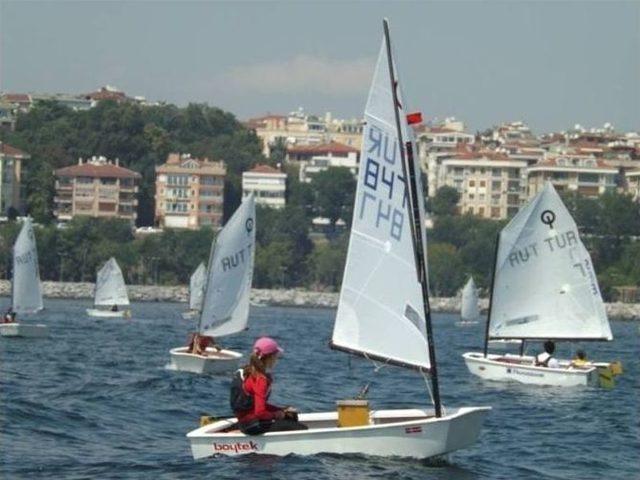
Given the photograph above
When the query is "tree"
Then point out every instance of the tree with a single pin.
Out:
(334, 191)
(446, 271)
(326, 263)
(445, 201)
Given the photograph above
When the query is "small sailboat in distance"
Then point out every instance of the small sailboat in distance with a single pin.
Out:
(383, 312)
(469, 312)
(110, 291)
(225, 306)
(197, 283)
(26, 288)
(544, 288)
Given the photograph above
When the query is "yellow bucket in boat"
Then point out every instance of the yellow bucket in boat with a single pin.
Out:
(206, 420)
(353, 413)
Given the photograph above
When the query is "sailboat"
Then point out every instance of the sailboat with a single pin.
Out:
(383, 311)
(544, 287)
(225, 306)
(26, 289)
(469, 313)
(110, 291)
(196, 291)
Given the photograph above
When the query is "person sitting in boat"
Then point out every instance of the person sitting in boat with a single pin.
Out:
(580, 359)
(250, 392)
(114, 308)
(9, 316)
(198, 344)
(546, 359)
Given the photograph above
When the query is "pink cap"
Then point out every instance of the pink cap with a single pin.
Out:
(266, 346)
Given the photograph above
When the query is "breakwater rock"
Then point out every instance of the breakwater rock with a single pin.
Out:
(284, 298)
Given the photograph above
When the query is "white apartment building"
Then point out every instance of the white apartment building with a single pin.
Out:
(490, 185)
(300, 129)
(320, 163)
(578, 173)
(633, 184)
(268, 185)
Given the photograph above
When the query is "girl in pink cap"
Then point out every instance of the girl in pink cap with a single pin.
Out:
(250, 393)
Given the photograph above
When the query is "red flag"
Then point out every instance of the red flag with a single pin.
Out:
(414, 118)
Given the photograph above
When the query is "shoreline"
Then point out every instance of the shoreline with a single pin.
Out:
(276, 298)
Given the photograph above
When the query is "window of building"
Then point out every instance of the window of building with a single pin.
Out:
(483, 183)
(495, 212)
(178, 180)
(560, 175)
(210, 180)
(496, 185)
(472, 183)
(588, 177)
(481, 211)
(108, 181)
(496, 172)
(84, 180)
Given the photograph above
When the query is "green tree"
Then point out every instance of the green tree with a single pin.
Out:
(446, 271)
(334, 191)
(445, 201)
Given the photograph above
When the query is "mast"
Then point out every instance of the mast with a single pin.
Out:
(408, 168)
(206, 288)
(493, 278)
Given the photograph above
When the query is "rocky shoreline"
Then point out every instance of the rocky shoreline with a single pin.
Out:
(283, 298)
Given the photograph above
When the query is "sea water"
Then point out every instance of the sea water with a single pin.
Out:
(96, 400)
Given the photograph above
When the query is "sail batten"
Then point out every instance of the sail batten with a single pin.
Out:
(381, 307)
(26, 288)
(110, 287)
(545, 285)
(225, 308)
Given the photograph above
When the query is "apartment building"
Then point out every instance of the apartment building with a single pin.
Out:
(490, 185)
(11, 169)
(586, 175)
(633, 184)
(316, 158)
(268, 185)
(300, 128)
(97, 187)
(189, 192)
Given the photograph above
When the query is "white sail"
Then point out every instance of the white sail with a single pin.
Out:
(381, 308)
(26, 286)
(110, 286)
(469, 311)
(545, 285)
(196, 287)
(225, 308)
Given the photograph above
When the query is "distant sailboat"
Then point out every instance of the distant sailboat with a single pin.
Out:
(110, 291)
(383, 312)
(469, 313)
(197, 283)
(544, 288)
(26, 288)
(225, 306)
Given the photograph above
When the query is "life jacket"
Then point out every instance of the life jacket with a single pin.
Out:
(238, 398)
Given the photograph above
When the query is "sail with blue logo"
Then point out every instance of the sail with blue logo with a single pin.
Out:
(225, 308)
(381, 307)
(26, 288)
(545, 286)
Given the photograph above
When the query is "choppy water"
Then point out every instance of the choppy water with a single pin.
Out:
(94, 400)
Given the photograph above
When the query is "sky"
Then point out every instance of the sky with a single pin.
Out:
(550, 64)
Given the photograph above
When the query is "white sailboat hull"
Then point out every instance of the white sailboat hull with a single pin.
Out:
(96, 312)
(514, 368)
(504, 344)
(215, 362)
(403, 433)
(23, 330)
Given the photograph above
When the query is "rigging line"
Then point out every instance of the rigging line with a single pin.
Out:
(428, 384)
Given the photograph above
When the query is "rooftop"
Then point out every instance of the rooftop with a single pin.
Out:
(12, 151)
(96, 167)
(262, 168)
